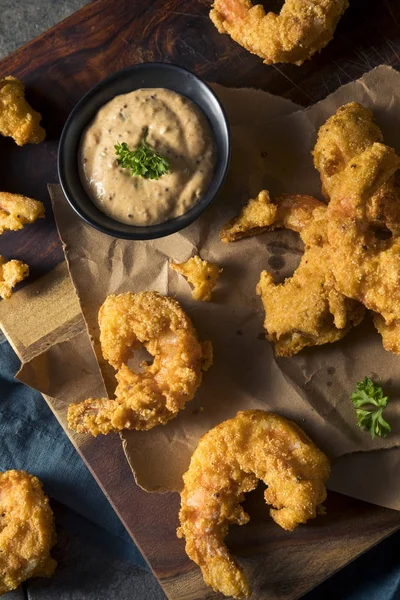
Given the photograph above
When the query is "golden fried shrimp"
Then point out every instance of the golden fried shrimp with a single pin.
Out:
(305, 310)
(349, 132)
(11, 273)
(366, 267)
(17, 211)
(155, 395)
(358, 174)
(202, 274)
(264, 214)
(302, 27)
(17, 119)
(228, 462)
(27, 531)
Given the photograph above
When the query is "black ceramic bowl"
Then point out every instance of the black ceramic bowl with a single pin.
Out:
(146, 75)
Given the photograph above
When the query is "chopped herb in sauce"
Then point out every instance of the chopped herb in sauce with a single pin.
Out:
(122, 164)
(143, 161)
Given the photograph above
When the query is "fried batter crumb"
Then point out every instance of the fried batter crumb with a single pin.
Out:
(11, 273)
(17, 211)
(202, 274)
(256, 217)
(17, 119)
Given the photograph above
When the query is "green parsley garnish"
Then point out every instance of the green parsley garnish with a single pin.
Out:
(143, 161)
(370, 403)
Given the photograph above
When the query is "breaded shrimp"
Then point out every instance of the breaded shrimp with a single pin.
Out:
(306, 310)
(349, 132)
(17, 119)
(17, 211)
(228, 462)
(27, 531)
(202, 274)
(11, 273)
(154, 396)
(364, 266)
(302, 27)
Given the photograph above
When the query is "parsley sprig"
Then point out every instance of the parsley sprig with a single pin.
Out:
(370, 403)
(143, 161)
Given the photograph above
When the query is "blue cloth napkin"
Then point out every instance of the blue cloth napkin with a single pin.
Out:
(33, 440)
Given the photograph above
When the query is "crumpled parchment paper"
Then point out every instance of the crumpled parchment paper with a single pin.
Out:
(313, 388)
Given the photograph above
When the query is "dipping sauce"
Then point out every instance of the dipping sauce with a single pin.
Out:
(177, 130)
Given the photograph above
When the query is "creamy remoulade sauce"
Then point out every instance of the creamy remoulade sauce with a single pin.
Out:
(177, 130)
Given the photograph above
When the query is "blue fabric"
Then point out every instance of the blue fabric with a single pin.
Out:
(32, 439)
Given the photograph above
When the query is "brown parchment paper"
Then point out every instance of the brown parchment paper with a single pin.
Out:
(42, 314)
(313, 388)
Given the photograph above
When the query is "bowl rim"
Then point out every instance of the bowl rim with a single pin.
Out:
(158, 230)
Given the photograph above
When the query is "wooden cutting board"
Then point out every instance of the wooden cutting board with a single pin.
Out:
(58, 68)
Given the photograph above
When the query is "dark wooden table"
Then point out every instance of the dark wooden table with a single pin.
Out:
(58, 68)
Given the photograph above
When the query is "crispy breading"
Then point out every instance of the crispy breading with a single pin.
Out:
(302, 27)
(366, 267)
(27, 531)
(359, 176)
(11, 273)
(155, 395)
(347, 133)
(390, 332)
(17, 211)
(255, 217)
(265, 214)
(17, 119)
(305, 310)
(228, 462)
(202, 274)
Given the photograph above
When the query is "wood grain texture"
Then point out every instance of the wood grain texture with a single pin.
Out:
(58, 68)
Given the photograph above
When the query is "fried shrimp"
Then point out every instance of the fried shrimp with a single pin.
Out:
(228, 462)
(264, 214)
(202, 274)
(349, 132)
(11, 273)
(302, 27)
(366, 267)
(27, 531)
(305, 310)
(154, 396)
(17, 211)
(17, 119)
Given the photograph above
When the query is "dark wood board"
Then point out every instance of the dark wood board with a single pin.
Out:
(58, 68)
